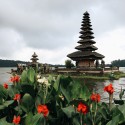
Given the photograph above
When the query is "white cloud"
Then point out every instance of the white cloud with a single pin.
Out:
(49, 28)
(11, 42)
(112, 44)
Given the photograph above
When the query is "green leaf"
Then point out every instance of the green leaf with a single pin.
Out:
(84, 93)
(69, 111)
(57, 82)
(65, 93)
(122, 108)
(6, 104)
(37, 119)
(27, 103)
(27, 88)
(76, 121)
(24, 76)
(28, 118)
(116, 120)
(31, 75)
(3, 92)
(3, 122)
(104, 113)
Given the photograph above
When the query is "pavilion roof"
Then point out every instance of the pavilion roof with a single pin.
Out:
(85, 55)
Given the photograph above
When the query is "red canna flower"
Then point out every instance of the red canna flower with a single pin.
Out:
(82, 108)
(15, 78)
(109, 89)
(43, 109)
(16, 120)
(5, 85)
(95, 97)
(17, 97)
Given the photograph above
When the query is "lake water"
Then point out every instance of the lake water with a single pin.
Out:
(98, 86)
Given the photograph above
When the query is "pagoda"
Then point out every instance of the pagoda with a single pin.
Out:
(34, 60)
(86, 55)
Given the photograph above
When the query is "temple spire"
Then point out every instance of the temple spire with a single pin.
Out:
(86, 54)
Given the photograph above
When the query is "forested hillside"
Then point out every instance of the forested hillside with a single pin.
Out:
(119, 63)
(10, 63)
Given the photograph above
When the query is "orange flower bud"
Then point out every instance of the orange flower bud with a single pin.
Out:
(16, 119)
(17, 97)
(109, 89)
(82, 108)
(95, 97)
(43, 109)
(5, 85)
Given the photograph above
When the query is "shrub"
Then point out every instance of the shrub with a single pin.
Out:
(35, 100)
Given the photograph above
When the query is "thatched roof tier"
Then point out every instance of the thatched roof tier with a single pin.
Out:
(87, 31)
(87, 36)
(34, 59)
(86, 13)
(84, 21)
(34, 55)
(84, 28)
(86, 47)
(86, 25)
(85, 55)
(86, 41)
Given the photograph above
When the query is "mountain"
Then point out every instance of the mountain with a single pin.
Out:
(10, 63)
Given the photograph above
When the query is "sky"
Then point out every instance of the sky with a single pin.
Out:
(51, 28)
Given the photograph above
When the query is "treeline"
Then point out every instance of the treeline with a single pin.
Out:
(118, 63)
(10, 63)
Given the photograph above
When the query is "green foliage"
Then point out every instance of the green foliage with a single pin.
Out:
(118, 63)
(69, 64)
(61, 95)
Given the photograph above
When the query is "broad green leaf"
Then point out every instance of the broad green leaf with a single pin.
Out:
(24, 76)
(37, 119)
(122, 108)
(65, 93)
(28, 118)
(104, 113)
(27, 88)
(31, 75)
(69, 111)
(3, 122)
(3, 92)
(84, 93)
(56, 84)
(76, 121)
(27, 103)
(116, 120)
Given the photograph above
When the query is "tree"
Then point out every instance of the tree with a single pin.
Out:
(97, 64)
(69, 64)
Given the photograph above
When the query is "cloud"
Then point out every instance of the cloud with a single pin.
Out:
(111, 44)
(11, 42)
(51, 26)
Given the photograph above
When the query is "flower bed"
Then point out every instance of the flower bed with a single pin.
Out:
(35, 100)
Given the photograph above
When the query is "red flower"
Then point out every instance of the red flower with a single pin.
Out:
(17, 97)
(43, 109)
(15, 78)
(16, 119)
(109, 89)
(5, 85)
(82, 108)
(95, 97)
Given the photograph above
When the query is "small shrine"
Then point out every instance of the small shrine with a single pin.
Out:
(34, 60)
(86, 55)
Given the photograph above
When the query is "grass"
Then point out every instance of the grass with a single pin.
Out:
(107, 76)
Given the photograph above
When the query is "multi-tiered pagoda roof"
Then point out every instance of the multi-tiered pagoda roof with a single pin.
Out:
(86, 47)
